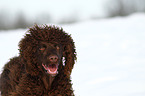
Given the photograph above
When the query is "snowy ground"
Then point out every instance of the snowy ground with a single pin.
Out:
(111, 55)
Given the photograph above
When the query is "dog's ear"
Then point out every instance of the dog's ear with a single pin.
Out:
(27, 54)
(70, 57)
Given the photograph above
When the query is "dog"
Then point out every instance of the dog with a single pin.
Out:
(44, 65)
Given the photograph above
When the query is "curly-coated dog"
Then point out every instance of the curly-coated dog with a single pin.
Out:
(43, 68)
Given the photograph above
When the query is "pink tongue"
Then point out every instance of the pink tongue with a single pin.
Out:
(52, 67)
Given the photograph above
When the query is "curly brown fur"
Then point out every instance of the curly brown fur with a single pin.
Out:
(26, 75)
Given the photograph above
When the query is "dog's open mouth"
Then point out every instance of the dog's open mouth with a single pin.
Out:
(51, 69)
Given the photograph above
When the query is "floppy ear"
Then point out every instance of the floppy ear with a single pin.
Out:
(27, 50)
(70, 57)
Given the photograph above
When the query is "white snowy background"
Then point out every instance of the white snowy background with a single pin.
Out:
(111, 55)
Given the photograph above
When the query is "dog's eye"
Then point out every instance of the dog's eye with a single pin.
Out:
(42, 48)
(56, 46)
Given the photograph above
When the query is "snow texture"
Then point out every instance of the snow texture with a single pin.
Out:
(111, 55)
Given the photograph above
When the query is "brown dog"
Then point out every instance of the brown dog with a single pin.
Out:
(43, 68)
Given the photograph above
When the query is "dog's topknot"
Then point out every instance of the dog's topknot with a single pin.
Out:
(50, 34)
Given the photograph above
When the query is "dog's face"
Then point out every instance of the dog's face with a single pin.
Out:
(50, 57)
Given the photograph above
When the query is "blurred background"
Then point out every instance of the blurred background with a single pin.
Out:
(109, 36)
(23, 13)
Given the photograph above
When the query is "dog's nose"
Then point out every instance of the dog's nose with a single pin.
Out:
(53, 58)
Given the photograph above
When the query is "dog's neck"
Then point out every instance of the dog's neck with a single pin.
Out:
(51, 78)
(47, 80)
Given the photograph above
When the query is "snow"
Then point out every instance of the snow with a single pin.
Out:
(111, 55)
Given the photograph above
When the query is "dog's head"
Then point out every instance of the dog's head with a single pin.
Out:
(47, 49)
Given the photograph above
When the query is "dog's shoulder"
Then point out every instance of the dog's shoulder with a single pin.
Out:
(11, 74)
(13, 64)
(13, 69)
